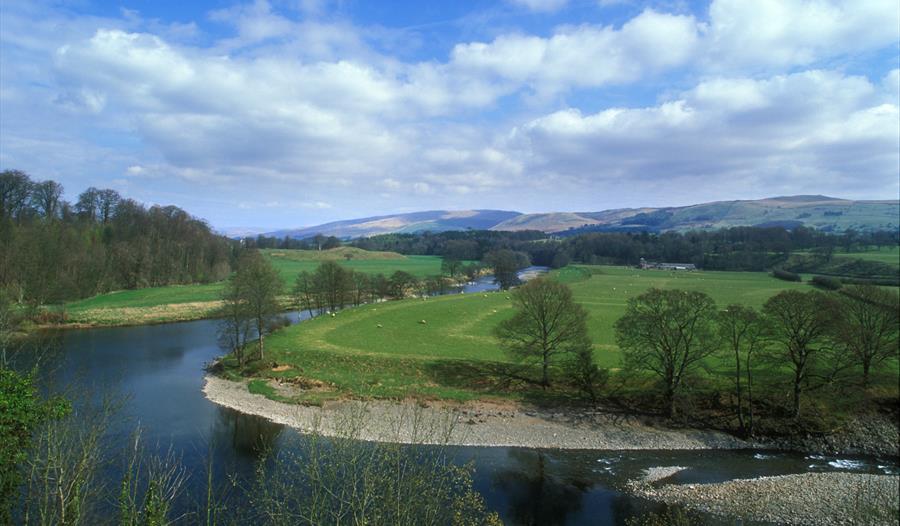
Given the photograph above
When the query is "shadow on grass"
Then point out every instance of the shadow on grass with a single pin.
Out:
(499, 379)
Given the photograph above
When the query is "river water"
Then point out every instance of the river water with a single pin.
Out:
(160, 370)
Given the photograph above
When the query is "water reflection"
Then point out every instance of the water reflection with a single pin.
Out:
(535, 492)
(249, 436)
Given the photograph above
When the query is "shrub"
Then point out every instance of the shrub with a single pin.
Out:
(824, 282)
(785, 275)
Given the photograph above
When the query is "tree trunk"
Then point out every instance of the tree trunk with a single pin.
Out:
(798, 389)
(545, 378)
(670, 401)
(749, 399)
(737, 380)
(867, 364)
(259, 332)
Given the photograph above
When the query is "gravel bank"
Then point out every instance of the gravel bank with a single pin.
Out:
(478, 424)
(806, 499)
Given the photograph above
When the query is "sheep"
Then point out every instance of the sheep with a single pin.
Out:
(423, 322)
(380, 326)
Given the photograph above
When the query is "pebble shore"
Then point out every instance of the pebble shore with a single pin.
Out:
(809, 499)
(475, 424)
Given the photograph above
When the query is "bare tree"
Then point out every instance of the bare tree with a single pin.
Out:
(670, 333)
(547, 323)
(799, 324)
(868, 321)
(741, 331)
(257, 285)
(45, 198)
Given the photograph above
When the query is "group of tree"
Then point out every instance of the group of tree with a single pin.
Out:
(812, 340)
(805, 341)
(738, 248)
(52, 250)
(316, 242)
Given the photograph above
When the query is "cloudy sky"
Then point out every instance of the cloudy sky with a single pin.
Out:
(285, 113)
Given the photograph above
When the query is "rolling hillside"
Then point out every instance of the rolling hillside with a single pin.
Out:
(434, 221)
(824, 213)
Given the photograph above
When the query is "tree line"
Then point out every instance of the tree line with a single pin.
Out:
(252, 296)
(810, 344)
(738, 248)
(52, 250)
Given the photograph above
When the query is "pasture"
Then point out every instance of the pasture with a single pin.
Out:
(184, 302)
(385, 349)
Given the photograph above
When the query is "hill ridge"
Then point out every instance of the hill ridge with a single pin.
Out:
(826, 213)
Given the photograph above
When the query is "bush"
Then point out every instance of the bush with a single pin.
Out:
(785, 275)
(880, 282)
(824, 282)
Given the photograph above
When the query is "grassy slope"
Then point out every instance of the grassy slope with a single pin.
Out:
(453, 354)
(887, 255)
(185, 302)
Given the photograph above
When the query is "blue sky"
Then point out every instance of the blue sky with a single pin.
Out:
(295, 112)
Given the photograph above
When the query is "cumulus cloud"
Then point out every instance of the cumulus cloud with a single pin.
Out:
(305, 111)
(786, 33)
(586, 55)
(814, 131)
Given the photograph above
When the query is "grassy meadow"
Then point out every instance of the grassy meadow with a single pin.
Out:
(886, 255)
(188, 302)
(385, 349)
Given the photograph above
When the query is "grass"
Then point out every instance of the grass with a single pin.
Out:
(385, 351)
(190, 302)
(887, 255)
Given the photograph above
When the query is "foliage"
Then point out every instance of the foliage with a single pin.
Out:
(506, 265)
(546, 323)
(824, 282)
(21, 412)
(345, 480)
(586, 375)
(669, 333)
(51, 251)
(253, 292)
(785, 275)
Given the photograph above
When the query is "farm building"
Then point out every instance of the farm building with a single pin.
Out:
(644, 264)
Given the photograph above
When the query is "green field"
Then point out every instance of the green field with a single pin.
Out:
(887, 255)
(453, 354)
(289, 263)
(184, 302)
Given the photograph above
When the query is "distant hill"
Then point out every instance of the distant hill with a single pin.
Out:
(816, 211)
(434, 221)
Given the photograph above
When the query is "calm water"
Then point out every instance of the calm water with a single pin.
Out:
(160, 370)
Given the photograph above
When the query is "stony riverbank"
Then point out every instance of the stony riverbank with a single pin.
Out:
(806, 499)
(473, 424)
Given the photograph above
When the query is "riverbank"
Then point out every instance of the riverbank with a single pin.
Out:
(482, 423)
(809, 499)
(468, 424)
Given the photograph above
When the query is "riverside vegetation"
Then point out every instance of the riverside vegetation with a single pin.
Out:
(59, 464)
(783, 357)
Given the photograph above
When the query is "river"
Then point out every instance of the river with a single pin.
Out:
(159, 369)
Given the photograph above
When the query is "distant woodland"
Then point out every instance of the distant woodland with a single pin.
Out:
(52, 250)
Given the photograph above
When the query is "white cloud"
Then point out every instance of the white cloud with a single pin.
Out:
(587, 55)
(815, 132)
(303, 112)
(786, 33)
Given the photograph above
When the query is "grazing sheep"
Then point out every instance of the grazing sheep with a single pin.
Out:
(423, 322)
(380, 326)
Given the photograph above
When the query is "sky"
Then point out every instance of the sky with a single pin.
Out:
(287, 113)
